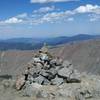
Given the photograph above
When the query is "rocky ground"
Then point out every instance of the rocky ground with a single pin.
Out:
(57, 79)
(53, 79)
(88, 89)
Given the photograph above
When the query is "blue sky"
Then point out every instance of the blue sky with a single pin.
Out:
(48, 18)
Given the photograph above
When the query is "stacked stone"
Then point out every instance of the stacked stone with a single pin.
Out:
(46, 70)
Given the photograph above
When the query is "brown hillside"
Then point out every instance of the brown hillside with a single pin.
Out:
(84, 55)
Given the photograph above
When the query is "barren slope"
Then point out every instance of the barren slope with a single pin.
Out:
(84, 55)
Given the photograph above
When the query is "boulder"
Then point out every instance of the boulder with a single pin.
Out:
(35, 69)
(31, 89)
(58, 68)
(52, 72)
(65, 72)
(30, 78)
(57, 81)
(44, 73)
(66, 63)
(39, 66)
(46, 82)
(40, 79)
(20, 82)
(49, 74)
(53, 62)
(75, 76)
(36, 59)
(56, 62)
(46, 66)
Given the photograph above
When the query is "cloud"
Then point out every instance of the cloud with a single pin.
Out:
(68, 14)
(15, 20)
(44, 9)
(92, 10)
(54, 17)
(23, 15)
(12, 20)
(94, 17)
(88, 9)
(51, 15)
(48, 1)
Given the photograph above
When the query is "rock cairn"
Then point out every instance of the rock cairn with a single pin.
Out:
(45, 69)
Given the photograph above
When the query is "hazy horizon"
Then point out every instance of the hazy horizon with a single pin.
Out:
(47, 37)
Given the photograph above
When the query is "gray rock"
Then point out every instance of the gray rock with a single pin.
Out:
(36, 59)
(31, 89)
(31, 71)
(39, 66)
(44, 73)
(58, 68)
(57, 81)
(65, 72)
(46, 82)
(28, 89)
(40, 79)
(53, 62)
(75, 76)
(49, 74)
(66, 63)
(52, 71)
(30, 78)
(46, 67)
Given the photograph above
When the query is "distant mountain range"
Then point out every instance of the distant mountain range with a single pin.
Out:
(36, 43)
